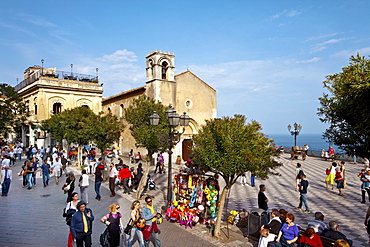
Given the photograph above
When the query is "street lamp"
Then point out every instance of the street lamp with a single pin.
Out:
(295, 131)
(172, 138)
(71, 69)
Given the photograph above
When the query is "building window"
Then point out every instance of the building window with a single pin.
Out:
(164, 70)
(121, 110)
(85, 106)
(57, 108)
(108, 109)
(35, 109)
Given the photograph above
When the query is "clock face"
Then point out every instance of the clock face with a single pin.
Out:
(188, 103)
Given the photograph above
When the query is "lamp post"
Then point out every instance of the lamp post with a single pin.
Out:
(295, 131)
(71, 69)
(172, 138)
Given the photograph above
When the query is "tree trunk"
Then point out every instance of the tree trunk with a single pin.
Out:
(220, 211)
(79, 155)
(142, 183)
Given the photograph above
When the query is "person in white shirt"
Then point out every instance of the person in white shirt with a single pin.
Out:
(19, 153)
(6, 161)
(57, 170)
(84, 184)
(113, 174)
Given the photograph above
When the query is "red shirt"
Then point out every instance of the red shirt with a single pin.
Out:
(124, 173)
(315, 241)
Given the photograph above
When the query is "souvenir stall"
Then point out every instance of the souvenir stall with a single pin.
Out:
(195, 197)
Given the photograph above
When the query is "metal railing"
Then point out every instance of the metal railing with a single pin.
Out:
(57, 75)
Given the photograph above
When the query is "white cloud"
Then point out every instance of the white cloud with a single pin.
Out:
(120, 56)
(348, 53)
(321, 37)
(323, 45)
(312, 60)
(38, 21)
(285, 13)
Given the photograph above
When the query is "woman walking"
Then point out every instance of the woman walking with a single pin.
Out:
(331, 176)
(113, 221)
(84, 184)
(30, 172)
(71, 182)
(70, 209)
(135, 216)
(98, 180)
(23, 173)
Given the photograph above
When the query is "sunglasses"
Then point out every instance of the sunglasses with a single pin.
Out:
(118, 207)
(148, 201)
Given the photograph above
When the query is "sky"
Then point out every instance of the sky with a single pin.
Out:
(266, 59)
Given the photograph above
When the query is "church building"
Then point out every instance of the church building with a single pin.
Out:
(185, 92)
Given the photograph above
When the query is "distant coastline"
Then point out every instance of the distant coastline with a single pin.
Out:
(314, 141)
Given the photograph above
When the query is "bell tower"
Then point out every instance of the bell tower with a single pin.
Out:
(160, 77)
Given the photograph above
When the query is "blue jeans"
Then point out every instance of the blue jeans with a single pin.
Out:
(97, 188)
(83, 194)
(19, 157)
(29, 179)
(6, 186)
(303, 199)
(45, 179)
(140, 237)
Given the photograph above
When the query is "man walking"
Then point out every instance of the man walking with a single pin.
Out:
(113, 173)
(45, 170)
(81, 225)
(5, 179)
(303, 191)
(262, 199)
(151, 229)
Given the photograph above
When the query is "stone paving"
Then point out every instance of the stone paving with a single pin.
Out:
(34, 218)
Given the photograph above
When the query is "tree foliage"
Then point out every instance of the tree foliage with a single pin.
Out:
(81, 125)
(13, 110)
(347, 107)
(105, 129)
(230, 147)
(146, 136)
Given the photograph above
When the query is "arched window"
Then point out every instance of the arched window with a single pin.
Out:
(57, 108)
(164, 70)
(85, 106)
(121, 110)
(35, 109)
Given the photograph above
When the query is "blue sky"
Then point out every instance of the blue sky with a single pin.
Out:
(266, 59)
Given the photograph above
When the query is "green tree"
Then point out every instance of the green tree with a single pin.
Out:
(13, 111)
(146, 136)
(230, 147)
(347, 107)
(105, 130)
(71, 125)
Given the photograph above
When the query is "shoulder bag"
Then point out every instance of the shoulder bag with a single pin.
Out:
(128, 227)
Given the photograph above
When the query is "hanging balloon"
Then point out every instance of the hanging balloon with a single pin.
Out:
(213, 215)
(216, 192)
(213, 202)
(211, 187)
(206, 191)
(208, 203)
(212, 208)
(209, 197)
(212, 194)
(215, 198)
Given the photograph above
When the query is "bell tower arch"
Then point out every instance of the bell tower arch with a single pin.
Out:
(160, 77)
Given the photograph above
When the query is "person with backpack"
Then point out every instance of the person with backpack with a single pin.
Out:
(70, 209)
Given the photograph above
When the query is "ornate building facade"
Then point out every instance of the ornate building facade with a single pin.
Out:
(185, 92)
(48, 91)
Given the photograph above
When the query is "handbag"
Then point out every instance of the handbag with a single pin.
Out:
(328, 171)
(104, 238)
(128, 227)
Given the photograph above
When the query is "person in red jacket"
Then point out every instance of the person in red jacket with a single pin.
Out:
(311, 238)
(125, 175)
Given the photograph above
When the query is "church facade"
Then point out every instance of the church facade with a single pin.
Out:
(185, 92)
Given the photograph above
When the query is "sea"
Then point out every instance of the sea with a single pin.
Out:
(314, 141)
